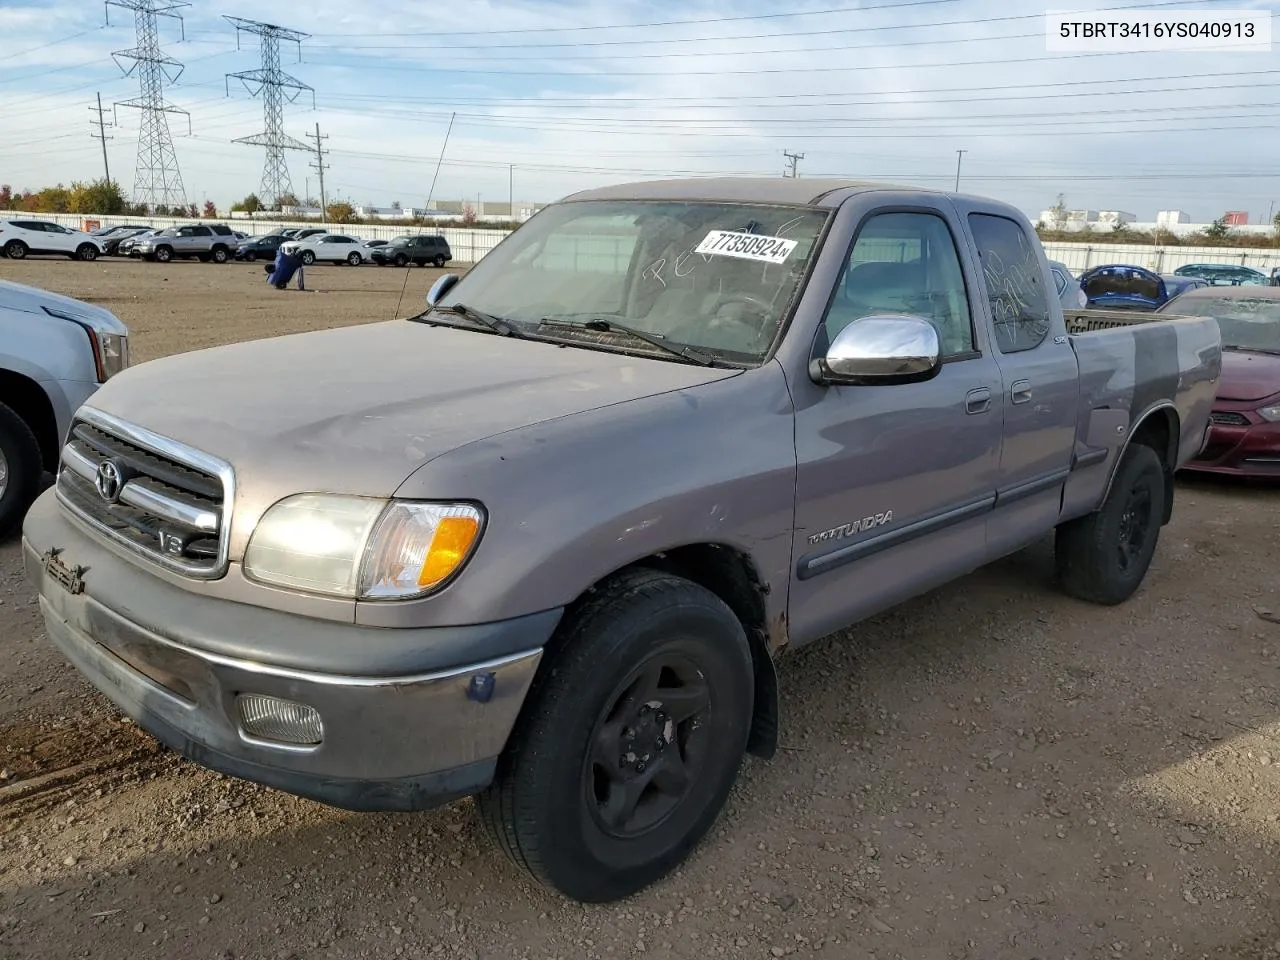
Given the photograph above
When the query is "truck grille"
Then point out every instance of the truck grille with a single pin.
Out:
(161, 499)
(1229, 419)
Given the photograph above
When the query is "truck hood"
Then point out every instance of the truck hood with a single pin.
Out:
(19, 296)
(1249, 376)
(357, 409)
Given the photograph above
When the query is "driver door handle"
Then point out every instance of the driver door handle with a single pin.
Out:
(977, 400)
(1020, 392)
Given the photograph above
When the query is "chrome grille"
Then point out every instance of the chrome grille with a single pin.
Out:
(160, 498)
(1229, 419)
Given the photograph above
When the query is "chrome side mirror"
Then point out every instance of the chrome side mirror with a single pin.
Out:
(881, 350)
(440, 288)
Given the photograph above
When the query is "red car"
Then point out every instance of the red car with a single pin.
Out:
(1244, 432)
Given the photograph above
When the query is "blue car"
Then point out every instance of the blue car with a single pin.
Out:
(1118, 286)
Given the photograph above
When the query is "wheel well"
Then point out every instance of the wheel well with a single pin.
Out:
(28, 400)
(1160, 431)
(731, 576)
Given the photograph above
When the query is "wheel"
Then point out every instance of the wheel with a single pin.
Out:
(15, 249)
(354, 259)
(20, 469)
(87, 252)
(164, 254)
(219, 254)
(401, 260)
(439, 261)
(628, 746)
(250, 256)
(1104, 556)
(308, 258)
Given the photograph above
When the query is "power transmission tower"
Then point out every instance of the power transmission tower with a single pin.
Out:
(793, 159)
(156, 179)
(319, 166)
(102, 125)
(276, 87)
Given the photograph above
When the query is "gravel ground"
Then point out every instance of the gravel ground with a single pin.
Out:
(990, 771)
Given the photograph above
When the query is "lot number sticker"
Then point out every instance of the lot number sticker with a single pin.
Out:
(746, 246)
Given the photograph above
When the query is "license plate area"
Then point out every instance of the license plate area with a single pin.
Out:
(68, 576)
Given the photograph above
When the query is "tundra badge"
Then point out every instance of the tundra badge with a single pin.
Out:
(858, 526)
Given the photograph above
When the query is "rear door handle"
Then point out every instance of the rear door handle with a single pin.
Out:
(977, 400)
(1020, 392)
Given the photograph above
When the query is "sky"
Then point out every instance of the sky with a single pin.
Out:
(548, 97)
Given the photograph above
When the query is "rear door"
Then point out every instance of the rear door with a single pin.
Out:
(1040, 380)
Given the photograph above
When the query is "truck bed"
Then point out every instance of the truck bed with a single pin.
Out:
(1089, 320)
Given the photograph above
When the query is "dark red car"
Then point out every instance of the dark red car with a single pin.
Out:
(1244, 432)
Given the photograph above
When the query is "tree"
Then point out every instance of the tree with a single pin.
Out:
(6, 198)
(98, 196)
(469, 218)
(341, 212)
(210, 210)
(395, 205)
(1059, 210)
(250, 204)
(1217, 231)
(287, 200)
(54, 200)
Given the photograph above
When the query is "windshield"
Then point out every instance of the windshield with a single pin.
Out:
(718, 277)
(1247, 323)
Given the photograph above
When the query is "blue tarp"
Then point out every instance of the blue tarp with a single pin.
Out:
(283, 269)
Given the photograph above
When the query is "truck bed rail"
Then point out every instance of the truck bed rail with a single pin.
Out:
(1089, 320)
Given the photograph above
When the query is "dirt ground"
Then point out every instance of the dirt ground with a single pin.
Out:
(992, 771)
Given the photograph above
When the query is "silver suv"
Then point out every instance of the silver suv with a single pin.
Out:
(205, 242)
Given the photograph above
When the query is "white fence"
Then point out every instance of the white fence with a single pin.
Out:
(469, 245)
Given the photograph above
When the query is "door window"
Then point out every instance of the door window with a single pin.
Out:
(906, 263)
(1014, 282)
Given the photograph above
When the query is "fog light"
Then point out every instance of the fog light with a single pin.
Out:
(271, 718)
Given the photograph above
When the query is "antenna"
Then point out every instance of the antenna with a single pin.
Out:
(276, 87)
(156, 179)
(102, 125)
(793, 159)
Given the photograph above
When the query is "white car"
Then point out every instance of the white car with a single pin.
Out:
(22, 236)
(330, 247)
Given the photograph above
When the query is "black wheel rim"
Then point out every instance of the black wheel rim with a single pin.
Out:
(646, 750)
(1135, 527)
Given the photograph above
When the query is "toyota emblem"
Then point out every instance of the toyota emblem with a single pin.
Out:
(109, 481)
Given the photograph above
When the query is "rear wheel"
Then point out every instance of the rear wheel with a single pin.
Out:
(630, 741)
(1103, 557)
(20, 469)
(15, 250)
(87, 252)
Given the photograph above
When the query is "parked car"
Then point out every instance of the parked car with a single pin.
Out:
(260, 248)
(112, 242)
(1175, 285)
(1118, 286)
(23, 236)
(1068, 287)
(420, 250)
(371, 244)
(1224, 274)
(54, 353)
(1244, 436)
(377, 578)
(128, 246)
(327, 248)
(205, 242)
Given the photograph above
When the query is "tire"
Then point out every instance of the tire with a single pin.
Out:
(354, 259)
(219, 254)
(15, 250)
(544, 808)
(439, 262)
(163, 254)
(401, 260)
(87, 252)
(1103, 557)
(20, 467)
(250, 257)
(308, 258)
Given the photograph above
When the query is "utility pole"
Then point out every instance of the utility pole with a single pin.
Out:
(102, 125)
(156, 180)
(319, 166)
(793, 159)
(272, 82)
(511, 190)
(959, 156)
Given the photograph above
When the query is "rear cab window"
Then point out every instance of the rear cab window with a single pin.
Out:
(1013, 282)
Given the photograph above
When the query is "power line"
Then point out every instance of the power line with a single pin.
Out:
(272, 83)
(157, 180)
(102, 125)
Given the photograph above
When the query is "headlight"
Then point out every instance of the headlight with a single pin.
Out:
(110, 350)
(1271, 413)
(362, 548)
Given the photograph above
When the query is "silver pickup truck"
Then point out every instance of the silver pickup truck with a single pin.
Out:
(543, 542)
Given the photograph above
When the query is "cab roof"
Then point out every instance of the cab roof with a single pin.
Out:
(815, 192)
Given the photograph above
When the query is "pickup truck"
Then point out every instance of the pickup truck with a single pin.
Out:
(543, 542)
(54, 353)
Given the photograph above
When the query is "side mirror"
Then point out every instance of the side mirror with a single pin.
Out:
(881, 350)
(440, 288)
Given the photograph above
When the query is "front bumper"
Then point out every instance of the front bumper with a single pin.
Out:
(1251, 450)
(407, 740)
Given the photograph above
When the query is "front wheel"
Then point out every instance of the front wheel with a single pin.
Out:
(630, 741)
(20, 468)
(164, 254)
(1103, 557)
(354, 259)
(87, 252)
(439, 262)
(219, 254)
(308, 258)
(401, 260)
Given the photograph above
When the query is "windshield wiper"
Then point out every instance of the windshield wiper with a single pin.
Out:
(686, 353)
(497, 324)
